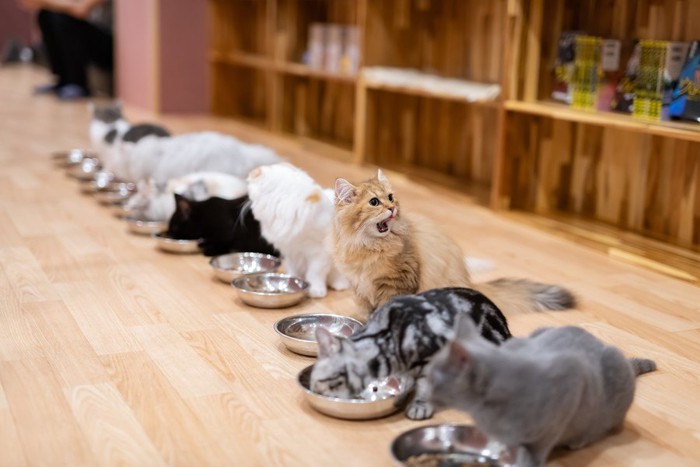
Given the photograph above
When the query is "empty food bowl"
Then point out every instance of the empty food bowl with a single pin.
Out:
(298, 333)
(144, 226)
(449, 445)
(270, 289)
(120, 194)
(233, 265)
(86, 169)
(103, 181)
(386, 398)
(65, 159)
(174, 245)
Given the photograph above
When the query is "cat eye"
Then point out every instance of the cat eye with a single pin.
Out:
(374, 202)
(391, 197)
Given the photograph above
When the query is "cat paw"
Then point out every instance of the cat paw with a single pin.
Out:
(420, 410)
(317, 290)
(340, 283)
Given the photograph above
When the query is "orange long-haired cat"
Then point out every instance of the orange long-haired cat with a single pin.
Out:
(384, 253)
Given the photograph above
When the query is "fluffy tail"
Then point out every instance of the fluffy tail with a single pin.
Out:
(642, 365)
(512, 295)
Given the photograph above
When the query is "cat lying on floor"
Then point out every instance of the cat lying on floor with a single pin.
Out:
(155, 201)
(399, 339)
(557, 387)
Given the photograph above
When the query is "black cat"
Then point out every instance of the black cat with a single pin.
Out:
(223, 225)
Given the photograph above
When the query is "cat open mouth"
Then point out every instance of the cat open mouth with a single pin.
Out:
(383, 226)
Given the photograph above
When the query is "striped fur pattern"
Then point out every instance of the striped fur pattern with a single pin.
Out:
(398, 340)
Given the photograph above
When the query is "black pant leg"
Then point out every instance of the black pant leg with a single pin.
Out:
(71, 43)
(100, 46)
(45, 20)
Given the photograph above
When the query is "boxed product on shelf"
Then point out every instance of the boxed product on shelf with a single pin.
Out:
(623, 98)
(564, 66)
(685, 102)
(586, 72)
(315, 51)
(350, 54)
(611, 72)
(333, 48)
(660, 66)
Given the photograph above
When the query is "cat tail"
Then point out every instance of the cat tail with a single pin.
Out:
(512, 295)
(642, 365)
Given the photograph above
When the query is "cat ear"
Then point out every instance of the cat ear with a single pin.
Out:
(382, 178)
(183, 205)
(465, 328)
(328, 344)
(459, 356)
(344, 191)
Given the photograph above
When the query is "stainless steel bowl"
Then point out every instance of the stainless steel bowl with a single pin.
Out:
(86, 169)
(144, 226)
(388, 400)
(65, 159)
(298, 333)
(174, 245)
(449, 445)
(104, 181)
(234, 265)
(270, 289)
(121, 194)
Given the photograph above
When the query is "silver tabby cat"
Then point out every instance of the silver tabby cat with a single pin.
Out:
(558, 387)
(398, 340)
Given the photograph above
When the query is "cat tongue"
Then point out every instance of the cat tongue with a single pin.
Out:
(383, 226)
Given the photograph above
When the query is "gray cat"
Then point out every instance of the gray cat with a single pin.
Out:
(558, 387)
(398, 340)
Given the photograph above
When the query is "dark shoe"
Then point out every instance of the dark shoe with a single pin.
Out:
(69, 92)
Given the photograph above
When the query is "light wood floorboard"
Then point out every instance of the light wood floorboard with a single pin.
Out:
(112, 353)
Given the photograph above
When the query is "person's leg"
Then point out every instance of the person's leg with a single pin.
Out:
(100, 47)
(72, 49)
(45, 21)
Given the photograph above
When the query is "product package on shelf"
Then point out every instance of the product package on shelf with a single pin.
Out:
(586, 72)
(623, 99)
(315, 52)
(350, 55)
(564, 67)
(611, 72)
(660, 66)
(685, 102)
(333, 48)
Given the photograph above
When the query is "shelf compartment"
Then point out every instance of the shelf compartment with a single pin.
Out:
(294, 17)
(451, 138)
(623, 176)
(299, 69)
(231, 34)
(317, 109)
(452, 38)
(671, 129)
(240, 92)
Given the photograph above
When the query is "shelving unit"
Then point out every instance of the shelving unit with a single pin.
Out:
(526, 152)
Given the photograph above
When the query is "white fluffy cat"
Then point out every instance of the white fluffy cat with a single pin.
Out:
(155, 201)
(104, 119)
(167, 158)
(296, 215)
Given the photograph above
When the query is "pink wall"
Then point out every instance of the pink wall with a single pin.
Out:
(161, 56)
(135, 52)
(15, 23)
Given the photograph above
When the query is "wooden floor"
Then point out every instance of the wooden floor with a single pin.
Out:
(112, 353)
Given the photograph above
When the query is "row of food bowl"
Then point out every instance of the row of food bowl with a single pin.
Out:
(258, 283)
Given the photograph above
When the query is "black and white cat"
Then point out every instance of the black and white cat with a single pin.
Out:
(557, 387)
(399, 339)
(223, 225)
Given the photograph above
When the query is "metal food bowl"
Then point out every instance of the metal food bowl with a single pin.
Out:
(64, 159)
(234, 265)
(120, 194)
(449, 445)
(298, 332)
(145, 226)
(118, 209)
(174, 245)
(270, 289)
(387, 400)
(104, 181)
(86, 169)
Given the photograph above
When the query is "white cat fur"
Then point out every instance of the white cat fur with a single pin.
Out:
(172, 157)
(296, 215)
(157, 203)
(98, 131)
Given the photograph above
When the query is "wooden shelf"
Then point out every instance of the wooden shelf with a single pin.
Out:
(299, 69)
(430, 94)
(241, 59)
(678, 130)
